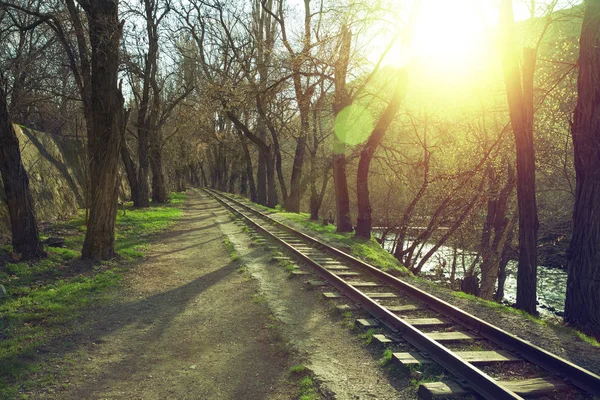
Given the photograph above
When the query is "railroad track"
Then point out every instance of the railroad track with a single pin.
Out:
(434, 327)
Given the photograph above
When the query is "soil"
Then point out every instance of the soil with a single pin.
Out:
(189, 323)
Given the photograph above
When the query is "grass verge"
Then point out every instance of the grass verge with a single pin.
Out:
(47, 298)
(367, 250)
(506, 309)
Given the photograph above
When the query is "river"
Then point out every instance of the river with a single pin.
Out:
(551, 285)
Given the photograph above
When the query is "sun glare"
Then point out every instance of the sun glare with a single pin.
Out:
(452, 36)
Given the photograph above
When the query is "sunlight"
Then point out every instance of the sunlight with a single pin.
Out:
(452, 35)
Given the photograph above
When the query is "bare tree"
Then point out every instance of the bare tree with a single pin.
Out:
(25, 238)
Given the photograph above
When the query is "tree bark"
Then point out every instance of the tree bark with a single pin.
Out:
(293, 200)
(492, 246)
(582, 305)
(130, 170)
(104, 142)
(520, 103)
(249, 169)
(159, 187)
(363, 225)
(341, 100)
(25, 237)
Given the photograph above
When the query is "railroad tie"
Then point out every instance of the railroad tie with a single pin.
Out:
(338, 267)
(452, 336)
(473, 357)
(407, 307)
(381, 295)
(427, 322)
(347, 307)
(299, 272)
(526, 388)
(316, 283)
(347, 273)
(364, 284)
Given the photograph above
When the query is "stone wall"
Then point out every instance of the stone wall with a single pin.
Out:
(55, 166)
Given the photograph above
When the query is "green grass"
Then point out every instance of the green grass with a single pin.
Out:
(367, 250)
(506, 309)
(45, 299)
(297, 369)
(307, 390)
(367, 337)
(387, 357)
(231, 249)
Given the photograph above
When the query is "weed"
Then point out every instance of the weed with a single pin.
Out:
(297, 369)
(387, 358)
(233, 254)
(367, 337)
(258, 298)
(287, 264)
(307, 390)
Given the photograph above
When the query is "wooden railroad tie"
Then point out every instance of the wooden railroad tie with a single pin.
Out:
(299, 272)
(473, 357)
(420, 322)
(527, 388)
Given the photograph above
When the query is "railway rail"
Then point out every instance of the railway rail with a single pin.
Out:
(380, 293)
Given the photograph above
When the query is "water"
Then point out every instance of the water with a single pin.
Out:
(551, 284)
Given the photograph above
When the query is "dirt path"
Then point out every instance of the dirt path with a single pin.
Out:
(189, 324)
(184, 328)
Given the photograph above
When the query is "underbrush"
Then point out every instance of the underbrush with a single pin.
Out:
(46, 298)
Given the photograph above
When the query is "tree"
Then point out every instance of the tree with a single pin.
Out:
(582, 305)
(104, 135)
(364, 222)
(342, 99)
(25, 237)
(519, 91)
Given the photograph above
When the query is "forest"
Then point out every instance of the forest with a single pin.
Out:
(467, 126)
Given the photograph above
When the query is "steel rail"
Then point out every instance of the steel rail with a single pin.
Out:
(558, 366)
(479, 381)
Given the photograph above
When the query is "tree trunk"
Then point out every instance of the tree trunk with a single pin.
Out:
(25, 237)
(293, 200)
(104, 143)
(249, 170)
(131, 173)
(272, 199)
(316, 198)
(363, 225)
(261, 174)
(497, 223)
(342, 199)
(159, 188)
(520, 103)
(582, 306)
(143, 199)
(342, 100)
